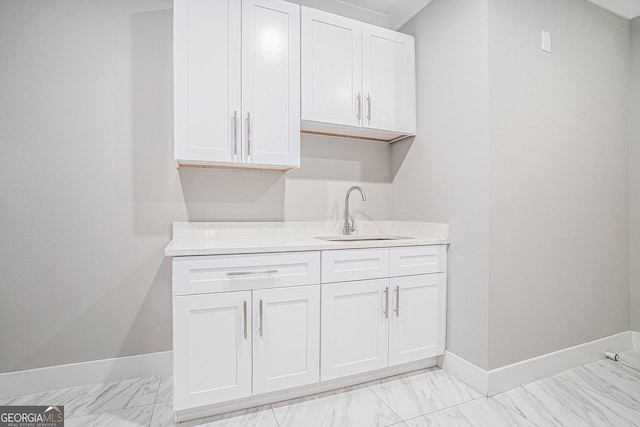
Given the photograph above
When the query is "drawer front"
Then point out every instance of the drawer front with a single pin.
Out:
(223, 273)
(411, 260)
(357, 264)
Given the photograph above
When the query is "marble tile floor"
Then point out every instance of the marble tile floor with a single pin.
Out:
(603, 393)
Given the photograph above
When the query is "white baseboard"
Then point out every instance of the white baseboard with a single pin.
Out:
(487, 382)
(533, 369)
(75, 374)
(507, 377)
(466, 371)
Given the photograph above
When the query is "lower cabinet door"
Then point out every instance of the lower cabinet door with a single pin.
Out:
(286, 343)
(354, 327)
(212, 348)
(416, 327)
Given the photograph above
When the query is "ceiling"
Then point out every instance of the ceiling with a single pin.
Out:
(395, 13)
(626, 8)
(383, 7)
(385, 13)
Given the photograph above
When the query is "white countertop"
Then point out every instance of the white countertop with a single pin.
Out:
(221, 238)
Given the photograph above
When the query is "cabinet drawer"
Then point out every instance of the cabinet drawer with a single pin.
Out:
(410, 260)
(357, 264)
(221, 273)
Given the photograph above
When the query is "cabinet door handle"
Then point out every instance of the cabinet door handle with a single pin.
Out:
(245, 320)
(248, 134)
(246, 273)
(235, 133)
(386, 302)
(359, 105)
(397, 301)
(261, 321)
(369, 108)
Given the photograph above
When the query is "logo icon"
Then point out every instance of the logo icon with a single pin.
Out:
(32, 416)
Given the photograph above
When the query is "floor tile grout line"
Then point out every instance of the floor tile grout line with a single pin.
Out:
(112, 410)
(153, 411)
(596, 393)
(512, 410)
(155, 400)
(17, 396)
(443, 409)
(118, 409)
(367, 385)
(274, 414)
(383, 402)
(421, 415)
(397, 424)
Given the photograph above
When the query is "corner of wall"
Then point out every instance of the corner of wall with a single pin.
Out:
(442, 174)
(634, 177)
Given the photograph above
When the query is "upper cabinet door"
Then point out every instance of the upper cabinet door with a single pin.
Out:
(271, 82)
(332, 68)
(207, 95)
(388, 79)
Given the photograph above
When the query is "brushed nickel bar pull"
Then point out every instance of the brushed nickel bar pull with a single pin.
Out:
(248, 134)
(246, 273)
(261, 321)
(386, 302)
(358, 101)
(397, 301)
(369, 108)
(235, 133)
(245, 320)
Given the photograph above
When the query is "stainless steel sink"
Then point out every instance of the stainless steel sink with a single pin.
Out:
(352, 238)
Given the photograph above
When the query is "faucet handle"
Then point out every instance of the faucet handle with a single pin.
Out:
(349, 228)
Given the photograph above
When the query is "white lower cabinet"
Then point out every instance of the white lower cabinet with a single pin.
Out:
(354, 327)
(248, 326)
(286, 339)
(212, 343)
(212, 348)
(372, 324)
(417, 313)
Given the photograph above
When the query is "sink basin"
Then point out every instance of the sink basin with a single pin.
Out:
(353, 238)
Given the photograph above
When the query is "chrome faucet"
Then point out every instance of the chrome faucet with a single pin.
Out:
(349, 227)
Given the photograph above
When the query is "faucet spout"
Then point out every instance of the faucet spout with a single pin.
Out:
(349, 227)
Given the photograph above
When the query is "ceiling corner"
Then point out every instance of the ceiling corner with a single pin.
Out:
(406, 10)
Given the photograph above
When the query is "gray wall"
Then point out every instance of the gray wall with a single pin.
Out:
(559, 177)
(443, 175)
(634, 173)
(525, 154)
(89, 188)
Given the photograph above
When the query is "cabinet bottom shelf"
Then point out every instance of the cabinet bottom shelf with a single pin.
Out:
(353, 132)
(240, 166)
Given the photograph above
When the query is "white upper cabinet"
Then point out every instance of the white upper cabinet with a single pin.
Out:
(332, 66)
(206, 80)
(271, 82)
(237, 83)
(388, 79)
(357, 79)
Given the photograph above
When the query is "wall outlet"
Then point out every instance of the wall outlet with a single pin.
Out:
(546, 41)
